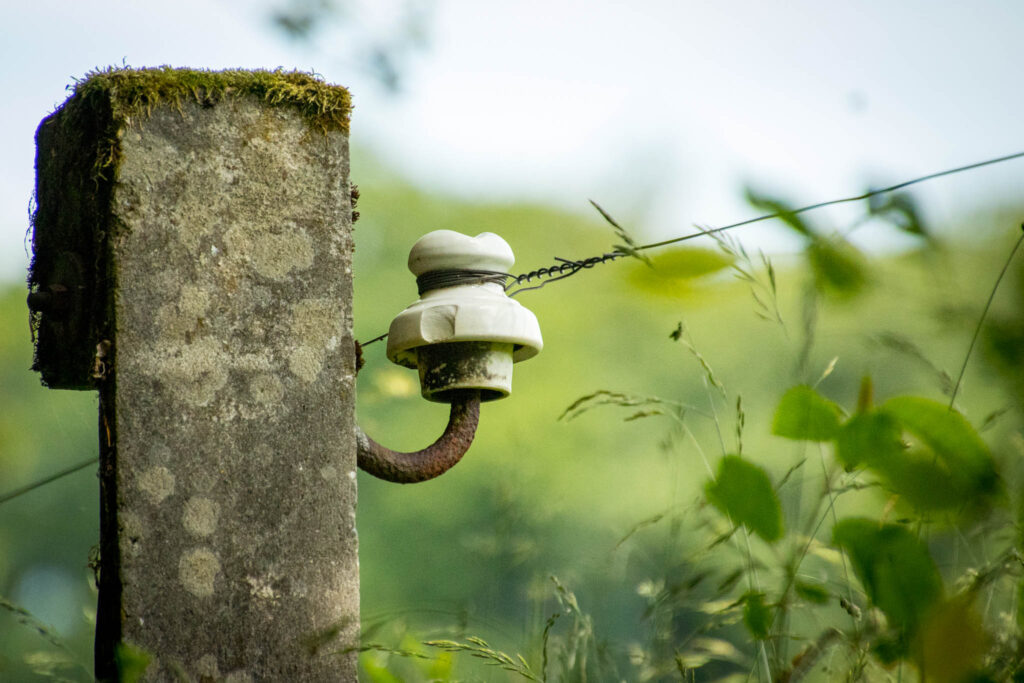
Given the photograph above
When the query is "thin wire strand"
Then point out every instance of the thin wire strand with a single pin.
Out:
(11, 495)
(564, 268)
(375, 339)
(844, 200)
(984, 313)
(543, 272)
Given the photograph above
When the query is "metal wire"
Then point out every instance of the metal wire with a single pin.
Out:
(561, 270)
(438, 279)
(564, 268)
(833, 202)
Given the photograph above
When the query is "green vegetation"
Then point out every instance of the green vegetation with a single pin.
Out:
(136, 91)
(760, 508)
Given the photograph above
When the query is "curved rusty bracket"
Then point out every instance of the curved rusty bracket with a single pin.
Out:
(432, 461)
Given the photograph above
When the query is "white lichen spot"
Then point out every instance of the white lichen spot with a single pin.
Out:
(207, 667)
(305, 363)
(157, 483)
(200, 516)
(273, 255)
(185, 316)
(352, 475)
(203, 480)
(253, 361)
(193, 300)
(197, 570)
(262, 588)
(228, 412)
(226, 175)
(266, 389)
(316, 329)
(329, 473)
(316, 321)
(195, 372)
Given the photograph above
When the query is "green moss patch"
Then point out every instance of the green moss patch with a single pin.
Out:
(136, 91)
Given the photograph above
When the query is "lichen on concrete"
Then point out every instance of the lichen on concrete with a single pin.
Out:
(212, 211)
(274, 255)
(198, 570)
(200, 516)
(266, 389)
(156, 483)
(316, 327)
(74, 219)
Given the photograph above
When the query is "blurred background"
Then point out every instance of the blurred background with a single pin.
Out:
(507, 118)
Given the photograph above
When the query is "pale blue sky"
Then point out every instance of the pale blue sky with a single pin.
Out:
(659, 110)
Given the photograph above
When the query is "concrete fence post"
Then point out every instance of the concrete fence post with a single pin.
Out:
(192, 245)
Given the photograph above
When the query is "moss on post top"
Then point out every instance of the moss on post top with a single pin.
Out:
(136, 91)
(79, 154)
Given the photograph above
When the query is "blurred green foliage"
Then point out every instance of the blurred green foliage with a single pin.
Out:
(743, 492)
(654, 583)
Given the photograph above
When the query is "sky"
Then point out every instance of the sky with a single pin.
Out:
(662, 111)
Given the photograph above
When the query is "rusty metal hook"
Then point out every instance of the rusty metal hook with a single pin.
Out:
(432, 461)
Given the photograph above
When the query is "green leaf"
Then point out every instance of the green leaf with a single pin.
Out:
(812, 592)
(889, 650)
(672, 270)
(900, 210)
(949, 466)
(806, 415)
(756, 616)
(923, 481)
(775, 206)
(871, 439)
(837, 266)
(898, 574)
(953, 641)
(866, 394)
(376, 671)
(964, 457)
(132, 662)
(689, 262)
(743, 491)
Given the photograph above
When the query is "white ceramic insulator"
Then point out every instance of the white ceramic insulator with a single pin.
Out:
(470, 312)
(450, 250)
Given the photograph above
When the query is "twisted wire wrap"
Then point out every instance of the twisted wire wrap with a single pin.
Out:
(561, 270)
(438, 279)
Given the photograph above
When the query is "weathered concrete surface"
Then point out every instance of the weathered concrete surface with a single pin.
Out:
(229, 547)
